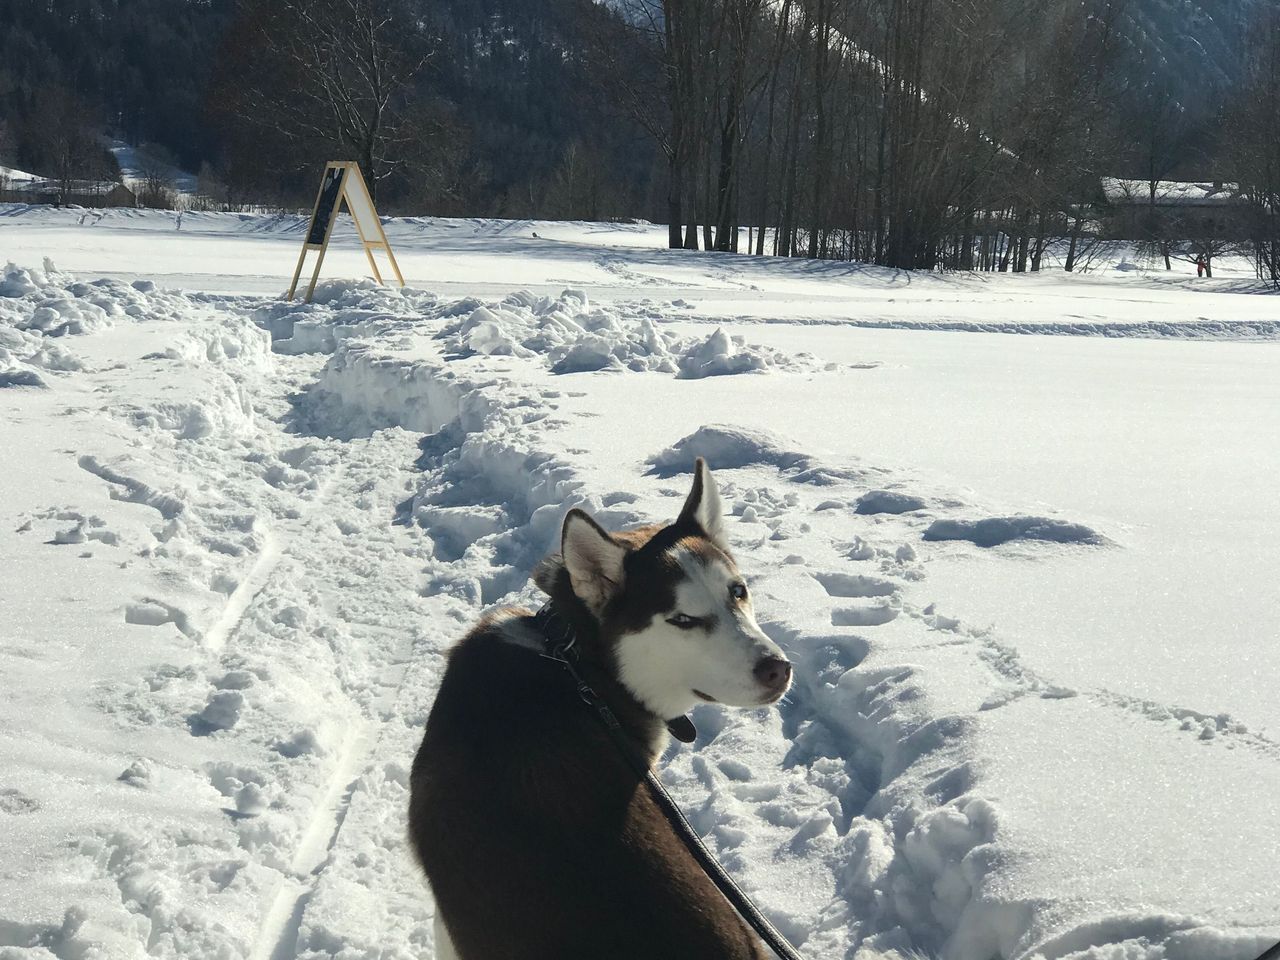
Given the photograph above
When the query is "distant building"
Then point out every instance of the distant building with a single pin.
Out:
(82, 193)
(1175, 210)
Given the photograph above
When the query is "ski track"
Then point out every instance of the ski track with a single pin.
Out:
(215, 638)
(282, 934)
(278, 938)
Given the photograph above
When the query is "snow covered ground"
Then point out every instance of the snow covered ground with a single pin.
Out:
(1029, 581)
(139, 165)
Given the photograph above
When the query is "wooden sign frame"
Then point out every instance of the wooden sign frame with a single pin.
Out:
(343, 182)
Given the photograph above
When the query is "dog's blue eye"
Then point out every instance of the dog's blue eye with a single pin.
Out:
(738, 591)
(683, 621)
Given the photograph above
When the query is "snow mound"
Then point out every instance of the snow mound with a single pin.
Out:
(725, 447)
(721, 355)
(364, 388)
(38, 307)
(994, 531)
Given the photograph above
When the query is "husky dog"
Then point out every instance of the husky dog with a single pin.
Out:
(539, 839)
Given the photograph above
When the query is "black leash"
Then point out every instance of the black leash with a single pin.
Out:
(559, 639)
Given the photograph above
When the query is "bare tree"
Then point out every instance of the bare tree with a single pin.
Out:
(63, 130)
(329, 72)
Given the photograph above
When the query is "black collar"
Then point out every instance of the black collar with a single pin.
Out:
(560, 642)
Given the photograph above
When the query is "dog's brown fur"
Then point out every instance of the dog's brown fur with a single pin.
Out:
(538, 839)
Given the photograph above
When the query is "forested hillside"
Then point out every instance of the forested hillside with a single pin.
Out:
(911, 133)
(499, 112)
(1190, 46)
(74, 69)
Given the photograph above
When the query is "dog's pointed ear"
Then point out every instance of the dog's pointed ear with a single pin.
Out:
(703, 506)
(593, 560)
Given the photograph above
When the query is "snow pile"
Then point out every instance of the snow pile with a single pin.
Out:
(339, 310)
(40, 306)
(576, 337)
(726, 446)
(568, 332)
(35, 308)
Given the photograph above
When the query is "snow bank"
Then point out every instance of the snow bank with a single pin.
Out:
(1147, 329)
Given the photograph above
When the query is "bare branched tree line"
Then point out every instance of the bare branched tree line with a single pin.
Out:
(1253, 137)
(909, 133)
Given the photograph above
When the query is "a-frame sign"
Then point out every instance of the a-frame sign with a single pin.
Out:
(343, 181)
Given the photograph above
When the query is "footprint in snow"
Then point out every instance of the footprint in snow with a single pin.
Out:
(872, 615)
(762, 503)
(832, 660)
(855, 585)
(16, 803)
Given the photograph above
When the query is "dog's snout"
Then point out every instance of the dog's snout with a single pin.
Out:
(773, 672)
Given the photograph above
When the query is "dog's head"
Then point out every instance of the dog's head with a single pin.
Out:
(674, 609)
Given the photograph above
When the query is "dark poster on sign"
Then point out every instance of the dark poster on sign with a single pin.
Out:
(330, 192)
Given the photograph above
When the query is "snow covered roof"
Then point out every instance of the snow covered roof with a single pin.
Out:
(73, 186)
(1170, 192)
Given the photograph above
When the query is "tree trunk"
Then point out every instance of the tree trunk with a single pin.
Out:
(674, 204)
(1071, 247)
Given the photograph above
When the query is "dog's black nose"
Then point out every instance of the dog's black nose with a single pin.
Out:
(773, 672)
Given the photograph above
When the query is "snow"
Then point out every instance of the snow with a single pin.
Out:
(1025, 580)
(136, 166)
(1169, 192)
(15, 176)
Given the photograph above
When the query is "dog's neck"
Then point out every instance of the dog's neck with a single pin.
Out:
(596, 662)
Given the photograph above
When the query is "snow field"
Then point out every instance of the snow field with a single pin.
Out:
(917, 844)
(239, 569)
